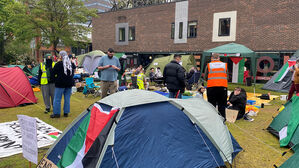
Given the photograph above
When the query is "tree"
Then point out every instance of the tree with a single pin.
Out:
(59, 21)
(13, 31)
(124, 4)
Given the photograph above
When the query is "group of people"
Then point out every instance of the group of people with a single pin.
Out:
(216, 77)
(56, 79)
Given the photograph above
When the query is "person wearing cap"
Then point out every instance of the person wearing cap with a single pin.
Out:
(174, 77)
(63, 76)
(216, 76)
(46, 80)
(109, 66)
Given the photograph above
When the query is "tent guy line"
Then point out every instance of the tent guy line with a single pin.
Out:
(255, 138)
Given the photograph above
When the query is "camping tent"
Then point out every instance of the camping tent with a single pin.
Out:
(160, 61)
(145, 129)
(285, 125)
(237, 53)
(282, 80)
(90, 61)
(15, 88)
(31, 72)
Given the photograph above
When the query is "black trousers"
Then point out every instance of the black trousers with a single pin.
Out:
(218, 96)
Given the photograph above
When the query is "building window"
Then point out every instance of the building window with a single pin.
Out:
(192, 29)
(172, 30)
(132, 33)
(122, 34)
(180, 30)
(224, 27)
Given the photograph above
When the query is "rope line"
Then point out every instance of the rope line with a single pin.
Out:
(114, 156)
(207, 146)
(267, 120)
(279, 158)
(256, 138)
(20, 94)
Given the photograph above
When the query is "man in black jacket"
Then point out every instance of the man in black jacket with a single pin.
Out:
(174, 77)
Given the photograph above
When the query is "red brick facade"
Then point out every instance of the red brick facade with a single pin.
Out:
(263, 25)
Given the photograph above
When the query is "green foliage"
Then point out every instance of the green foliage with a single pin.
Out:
(59, 21)
(15, 32)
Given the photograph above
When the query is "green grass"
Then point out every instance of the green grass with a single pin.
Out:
(78, 104)
(261, 149)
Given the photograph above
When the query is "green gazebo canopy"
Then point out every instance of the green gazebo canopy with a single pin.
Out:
(232, 50)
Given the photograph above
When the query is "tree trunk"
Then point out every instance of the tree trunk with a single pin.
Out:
(2, 51)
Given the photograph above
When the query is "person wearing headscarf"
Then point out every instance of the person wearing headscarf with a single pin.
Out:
(46, 80)
(64, 81)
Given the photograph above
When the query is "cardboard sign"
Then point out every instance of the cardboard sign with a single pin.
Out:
(46, 163)
(29, 138)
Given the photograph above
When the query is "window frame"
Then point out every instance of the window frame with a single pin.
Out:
(172, 30)
(130, 33)
(181, 27)
(122, 35)
(219, 28)
(188, 29)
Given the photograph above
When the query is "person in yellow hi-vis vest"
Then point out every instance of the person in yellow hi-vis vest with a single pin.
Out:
(141, 80)
(46, 80)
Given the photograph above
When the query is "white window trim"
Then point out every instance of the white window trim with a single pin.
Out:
(233, 26)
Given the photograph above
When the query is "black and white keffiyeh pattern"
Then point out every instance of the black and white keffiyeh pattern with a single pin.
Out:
(67, 65)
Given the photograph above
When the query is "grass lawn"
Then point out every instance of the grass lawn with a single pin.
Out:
(261, 149)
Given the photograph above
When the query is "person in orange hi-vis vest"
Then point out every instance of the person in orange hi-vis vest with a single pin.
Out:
(216, 76)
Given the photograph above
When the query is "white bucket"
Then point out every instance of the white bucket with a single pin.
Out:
(74, 89)
(283, 97)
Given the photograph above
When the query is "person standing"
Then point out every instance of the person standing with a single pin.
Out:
(109, 66)
(174, 77)
(292, 88)
(46, 80)
(64, 81)
(141, 80)
(296, 77)
(216, 76)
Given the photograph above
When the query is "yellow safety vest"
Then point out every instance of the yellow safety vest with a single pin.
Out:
(44, 78)
(140, 83)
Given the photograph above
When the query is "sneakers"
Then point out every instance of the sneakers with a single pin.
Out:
(47, 110)
(65, 115)
(55, 116)
(247, 118)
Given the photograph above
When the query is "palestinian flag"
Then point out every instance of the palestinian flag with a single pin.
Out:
(285, 69)
(88, 129)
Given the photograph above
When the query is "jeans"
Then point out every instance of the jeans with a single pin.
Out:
(173, 95)
(57, 100)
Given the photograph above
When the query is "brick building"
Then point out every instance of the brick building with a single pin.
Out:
(268, 27)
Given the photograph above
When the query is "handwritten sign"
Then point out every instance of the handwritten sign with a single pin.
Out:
(46, 163)
(29, 137)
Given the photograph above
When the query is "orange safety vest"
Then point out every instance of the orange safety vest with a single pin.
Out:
(217, 76)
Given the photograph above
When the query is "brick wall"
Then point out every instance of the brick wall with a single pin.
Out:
(261, 25)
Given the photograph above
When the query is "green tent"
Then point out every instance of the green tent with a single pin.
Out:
(31, 72)
(94, 53)
(284, 126)
(118, 55)
(21, 66)
(160, 61)
(233, 50)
